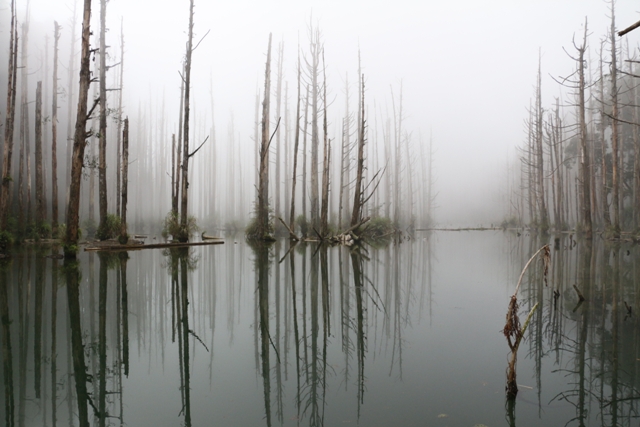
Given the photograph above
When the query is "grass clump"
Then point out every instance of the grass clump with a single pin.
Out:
(173, 227)
(378, 227)
(110, 228)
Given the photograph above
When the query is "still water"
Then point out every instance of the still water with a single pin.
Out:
(404, 334)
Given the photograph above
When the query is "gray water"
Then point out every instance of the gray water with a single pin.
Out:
(403, 334)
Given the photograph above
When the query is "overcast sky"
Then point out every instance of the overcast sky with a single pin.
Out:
(468, 67)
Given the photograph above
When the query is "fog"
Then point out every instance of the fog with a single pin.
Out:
(467, 70)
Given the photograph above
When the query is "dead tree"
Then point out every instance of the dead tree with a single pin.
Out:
(102, 146)
(278, 147)
(324, 215)
(315, 49)
(54, 135)
(295, 155)
(184, 235)
(585, 161)
(119, 131)
(263, 227)
(5, 194)
(178, 156)
(614, 125)
(125, 182)
(80, 136)
(604, 193)
(539, 158)
(25, 151)
(40, 204)
(358, 189)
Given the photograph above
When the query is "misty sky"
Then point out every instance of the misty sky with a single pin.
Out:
(468, 67)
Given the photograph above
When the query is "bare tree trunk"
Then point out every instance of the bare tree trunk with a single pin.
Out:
(614, 124)
(345, 166)
(604, 195)
(636, 152)
(80, 136)
(397, 137)
(542, 203)
(5, 193)
(278, 145)
(54, 135)
(357, 192)
(24, 213)
(119, 131)
(292, 209)
(585, 161)
(40, 205)
(304, 156)
(102, 151)
(184, 236)
(70, 84)
(262, 218)
(324, 220)
(256, 144)
(315, 59)
(178, 164)
(125, 181)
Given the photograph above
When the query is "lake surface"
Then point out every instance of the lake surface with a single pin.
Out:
(404, 334)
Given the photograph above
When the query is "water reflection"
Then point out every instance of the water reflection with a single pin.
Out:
(317, 335)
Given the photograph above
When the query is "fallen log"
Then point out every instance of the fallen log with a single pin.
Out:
(291, 233)
(151, 246)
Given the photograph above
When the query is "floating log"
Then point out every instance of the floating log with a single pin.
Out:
(206, 237)
(151, 246)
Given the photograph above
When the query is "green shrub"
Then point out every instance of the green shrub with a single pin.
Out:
(91, 226)
(6, 240)
(302, 222)
(254, 229)
(173, 227)
(378, 227)
(45, 230)
(110, 228)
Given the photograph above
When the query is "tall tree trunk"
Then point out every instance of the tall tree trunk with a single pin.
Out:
(542, 201)
(614, 124)
(324, 217)
(304, 156)
(292, 209)
(79, 140)
(40, 204)
(70, 84)
(119, 131)
(54, 135)
(5, 193)
(585, 161)
(604, 195)
(278, 145)
(262, 217)
(125, 181)
(315, 59)
(357, 192)
(24, 202)
(184, 235)
(102, 151)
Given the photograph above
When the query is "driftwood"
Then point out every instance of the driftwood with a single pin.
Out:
(152, 246)
(348, 237)
(205, 237)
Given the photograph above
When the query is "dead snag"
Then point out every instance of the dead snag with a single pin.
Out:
(512, 330)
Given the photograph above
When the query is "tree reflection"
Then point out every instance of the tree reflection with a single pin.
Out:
(72, 276)
(7, 357)
(181, 261)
